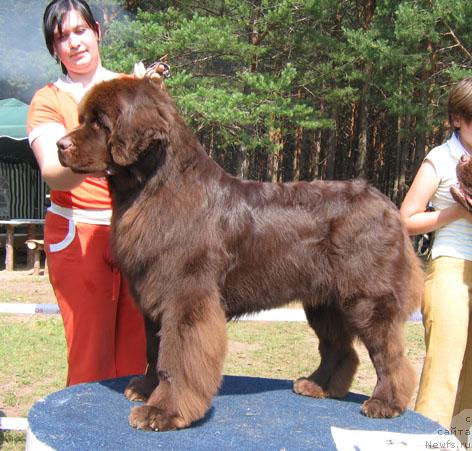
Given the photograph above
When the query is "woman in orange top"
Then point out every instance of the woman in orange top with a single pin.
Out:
(104, 331)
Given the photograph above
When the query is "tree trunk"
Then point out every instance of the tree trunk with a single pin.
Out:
(361, 162)
(242, 168)
(314, 155)
(331, 153)
(402, 174)
(275, 137)
(425, 119)
(297, 153)
(400, 167)
(362, 121)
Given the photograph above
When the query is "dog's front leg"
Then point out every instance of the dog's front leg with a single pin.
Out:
(140, 388)
(191, 357)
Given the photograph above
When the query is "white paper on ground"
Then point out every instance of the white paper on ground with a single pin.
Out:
(358, 440)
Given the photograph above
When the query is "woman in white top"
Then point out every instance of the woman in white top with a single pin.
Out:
(446, 381)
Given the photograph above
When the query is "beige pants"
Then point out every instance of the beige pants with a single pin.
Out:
(446, 381)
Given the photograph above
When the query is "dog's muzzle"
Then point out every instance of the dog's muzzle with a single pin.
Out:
(64, 147)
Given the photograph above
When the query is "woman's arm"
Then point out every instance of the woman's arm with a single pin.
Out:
(56, 176)
(412, 211)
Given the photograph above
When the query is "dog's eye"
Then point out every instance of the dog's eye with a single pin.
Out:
(95, 125)
(104, 122)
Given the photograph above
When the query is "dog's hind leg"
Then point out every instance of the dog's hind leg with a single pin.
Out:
(191, 357)
(338, 358)
(396, 378)
(140, 388)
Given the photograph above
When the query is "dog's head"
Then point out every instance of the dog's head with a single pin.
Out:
(119, 120)
(464, 173)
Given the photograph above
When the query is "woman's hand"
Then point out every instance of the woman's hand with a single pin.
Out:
(158, 70)
(463, 213)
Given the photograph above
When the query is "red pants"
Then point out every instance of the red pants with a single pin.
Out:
(104, 330)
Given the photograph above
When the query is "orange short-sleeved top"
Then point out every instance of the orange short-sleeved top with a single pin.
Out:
(55, 107)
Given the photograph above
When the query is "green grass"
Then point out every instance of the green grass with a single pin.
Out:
(33, 360)
(33, 364)
(12, 440)
(290, 350)
(279, 350)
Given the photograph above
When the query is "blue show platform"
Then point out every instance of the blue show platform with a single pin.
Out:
(248, 414)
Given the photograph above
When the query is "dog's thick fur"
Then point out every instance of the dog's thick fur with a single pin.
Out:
(199, 246)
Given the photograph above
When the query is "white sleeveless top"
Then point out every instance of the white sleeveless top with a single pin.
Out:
(454, 239)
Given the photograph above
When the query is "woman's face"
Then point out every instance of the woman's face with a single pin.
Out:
(77, 46)
(465, 132)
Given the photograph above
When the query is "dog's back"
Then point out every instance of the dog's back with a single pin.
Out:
(315, 242)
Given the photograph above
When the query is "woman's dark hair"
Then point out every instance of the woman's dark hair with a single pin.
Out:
(54, 16)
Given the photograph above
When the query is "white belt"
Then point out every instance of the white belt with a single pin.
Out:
(98, 217)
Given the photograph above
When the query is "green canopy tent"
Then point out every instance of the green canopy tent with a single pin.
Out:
(14, 145)
(22, 192)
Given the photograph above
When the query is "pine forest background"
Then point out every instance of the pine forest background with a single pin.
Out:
(282, 90)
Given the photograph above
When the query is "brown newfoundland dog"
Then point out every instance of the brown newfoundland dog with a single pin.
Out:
(199, 246)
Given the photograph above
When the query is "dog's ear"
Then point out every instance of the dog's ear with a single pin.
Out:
(140, 123)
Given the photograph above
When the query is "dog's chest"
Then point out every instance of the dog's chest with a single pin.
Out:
(132, 232)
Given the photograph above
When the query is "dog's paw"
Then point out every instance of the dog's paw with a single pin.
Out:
(306, 387)
(150, 418)
(377, 408)
(140, 388)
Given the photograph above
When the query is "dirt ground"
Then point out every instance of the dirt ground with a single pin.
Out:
(21, 286)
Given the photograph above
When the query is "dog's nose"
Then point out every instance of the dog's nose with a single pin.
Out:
(465, 158)
(64, 144)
